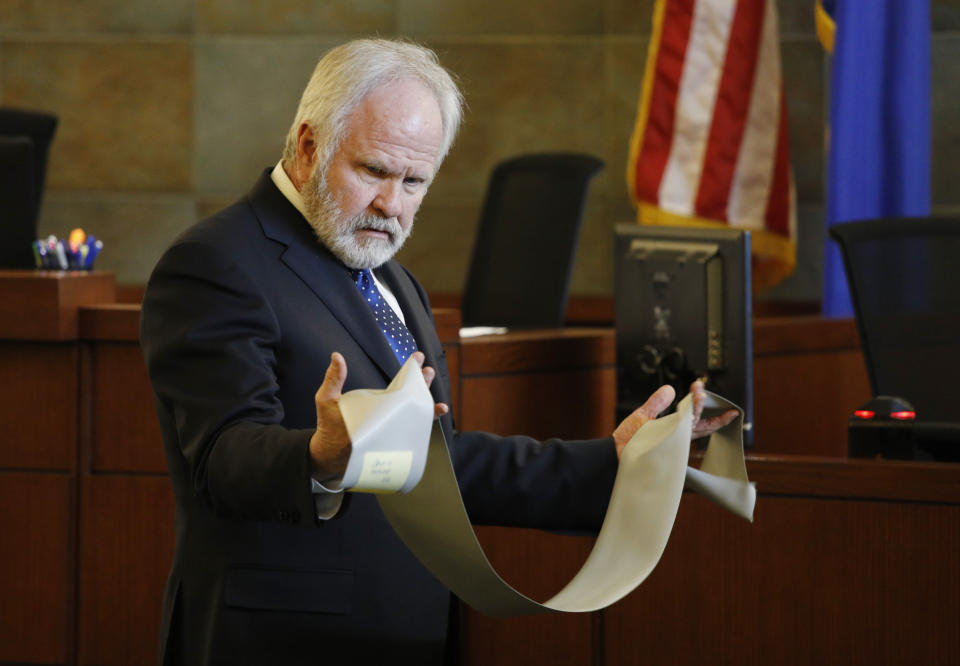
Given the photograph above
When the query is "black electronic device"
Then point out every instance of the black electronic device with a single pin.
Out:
(903, 275)
(887, 427)
(882, 428)
(683, 310)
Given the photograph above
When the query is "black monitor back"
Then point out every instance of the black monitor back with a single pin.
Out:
(683, 309)
(523, 254)
(904, 279)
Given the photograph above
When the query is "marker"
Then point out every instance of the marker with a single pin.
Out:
(76, 239)
(94, 251)
(61, 255)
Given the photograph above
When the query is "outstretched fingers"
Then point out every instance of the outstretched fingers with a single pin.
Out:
(333, 380)
(330, 444)
(429, 374)
(656, 403)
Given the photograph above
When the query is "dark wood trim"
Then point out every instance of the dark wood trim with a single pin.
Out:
(541, 350)
(882, 480)
(43, 305)
(110, 321)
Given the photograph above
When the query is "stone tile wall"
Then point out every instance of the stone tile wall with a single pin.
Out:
(168, 111)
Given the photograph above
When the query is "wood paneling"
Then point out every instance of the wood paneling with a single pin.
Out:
(36, 587)
(574, 405)
(848, 561)
(447, 322)
(882, 480)
(544, 384)
(812, 581)
(43, 305)
(539, 383)
(539, 350)
(809, 376)
(539, 565)
(125, 435)
(110, 321)
(794, 335)
(38, 394)
(802, 401)
(126, 547)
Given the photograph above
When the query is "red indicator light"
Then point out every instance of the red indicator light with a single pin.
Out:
(864, 414)
(905, 415)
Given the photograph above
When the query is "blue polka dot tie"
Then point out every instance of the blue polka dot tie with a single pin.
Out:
(399, 338)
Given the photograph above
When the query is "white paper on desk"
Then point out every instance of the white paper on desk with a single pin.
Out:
(476, 331)
(390, 431)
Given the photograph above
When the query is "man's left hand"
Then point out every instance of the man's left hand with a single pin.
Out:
(658, 402)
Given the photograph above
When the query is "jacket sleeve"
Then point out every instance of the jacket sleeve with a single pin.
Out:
(209, 337)
(521, 482)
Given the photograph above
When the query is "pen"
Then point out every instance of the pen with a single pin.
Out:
(62, 255)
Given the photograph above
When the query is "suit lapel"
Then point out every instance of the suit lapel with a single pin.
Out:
(323, 273)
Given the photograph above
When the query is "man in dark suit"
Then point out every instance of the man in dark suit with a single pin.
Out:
(247, 313)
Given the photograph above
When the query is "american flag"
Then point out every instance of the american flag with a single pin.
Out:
(710, 145)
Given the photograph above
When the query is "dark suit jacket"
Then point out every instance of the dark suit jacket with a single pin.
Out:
(239, 320)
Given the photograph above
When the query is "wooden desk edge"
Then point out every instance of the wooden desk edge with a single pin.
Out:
(855, 478)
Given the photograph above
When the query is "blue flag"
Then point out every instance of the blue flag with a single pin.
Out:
(879, 142)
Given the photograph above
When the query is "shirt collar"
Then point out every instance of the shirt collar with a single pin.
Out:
(287, 188)
(285, 185)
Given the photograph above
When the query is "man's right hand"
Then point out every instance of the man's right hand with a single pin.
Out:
(330, 444)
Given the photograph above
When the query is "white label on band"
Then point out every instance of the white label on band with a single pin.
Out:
(385, 471)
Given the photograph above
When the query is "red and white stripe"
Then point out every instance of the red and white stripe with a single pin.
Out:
(714, 147)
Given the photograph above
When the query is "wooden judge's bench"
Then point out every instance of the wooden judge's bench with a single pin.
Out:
(847, 562)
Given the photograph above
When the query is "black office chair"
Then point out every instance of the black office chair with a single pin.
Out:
(25, 137)
(18, 223)
(904, 278)
(519, 274)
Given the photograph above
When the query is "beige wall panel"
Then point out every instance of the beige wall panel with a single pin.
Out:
(796, 18)
(945, 126)
(945, 14)
(504, 17)
(802, 67)
(125, 109)
(623, 80)
(295, 16)
(97, 15)
(134, 228)
(247, 94)
(438, 252)
(593, 267)
(522, 97)
(628, 16)
(207, 206)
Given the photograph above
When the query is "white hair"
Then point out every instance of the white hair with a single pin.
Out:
(348, 73)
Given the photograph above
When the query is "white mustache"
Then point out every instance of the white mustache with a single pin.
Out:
(389, 225)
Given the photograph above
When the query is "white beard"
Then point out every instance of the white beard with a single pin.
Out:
(340, 235)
